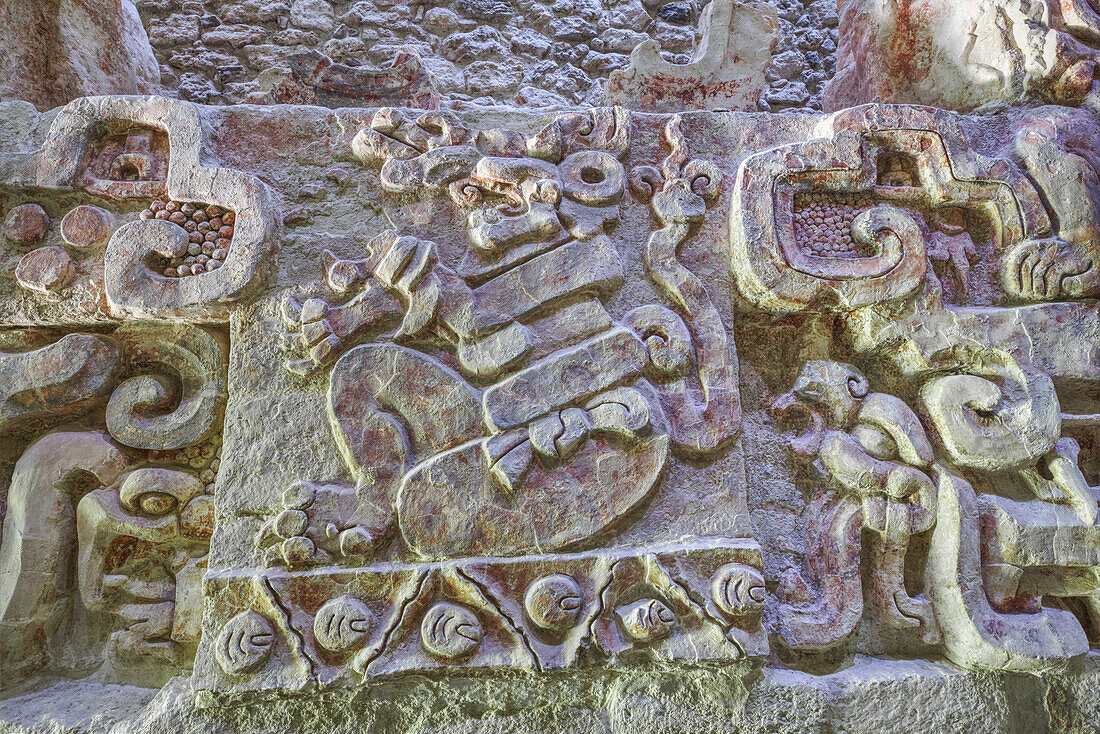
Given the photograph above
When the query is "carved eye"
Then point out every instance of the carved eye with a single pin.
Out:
(857, 387)
(812, 390)
(157, 503)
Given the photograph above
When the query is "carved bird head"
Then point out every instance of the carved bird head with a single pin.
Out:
(826, 395)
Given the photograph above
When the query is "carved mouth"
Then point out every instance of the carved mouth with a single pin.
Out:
(789, 410)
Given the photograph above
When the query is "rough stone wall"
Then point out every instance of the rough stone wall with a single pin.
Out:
(491, 52)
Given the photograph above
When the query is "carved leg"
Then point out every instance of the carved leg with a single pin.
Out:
(975, 634)
(835, 583)
(1043, 270)
(887, 581)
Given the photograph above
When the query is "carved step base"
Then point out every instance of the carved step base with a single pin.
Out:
(308, 630)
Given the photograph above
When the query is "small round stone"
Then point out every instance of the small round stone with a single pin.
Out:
(183, 270)
(211, 236)
(194, 249)
(298, 496)
(163, 214)
(170, 273)
(45, 269)
(229, 218)
(199, 216)
(146, 214)
(172, 206)
(225, 231)
(156, 206)
(215, 222)
(219, 253)
(290, 523)
(177, 218)
(208, 248)
(86, 226)
(190, 226)
(26, 224)
(298, 550)
(222, 243)
(214, 211)
(198, 269)
(187, 208)
(196, 238)
(213, 264)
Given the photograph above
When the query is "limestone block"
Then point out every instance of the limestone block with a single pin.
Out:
(60, 50)
(726, 70)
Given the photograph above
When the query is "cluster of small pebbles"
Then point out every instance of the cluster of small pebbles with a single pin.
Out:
(823, 223)
(209, 230)
(205, 458)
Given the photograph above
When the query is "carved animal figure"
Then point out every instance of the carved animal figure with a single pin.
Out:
(873, 453)
(577, 414)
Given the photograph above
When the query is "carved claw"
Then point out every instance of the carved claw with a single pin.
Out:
(406, 267)
(291, 311)
(919, 609)
(1043, 270)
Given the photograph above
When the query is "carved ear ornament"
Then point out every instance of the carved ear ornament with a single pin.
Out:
(133, 288)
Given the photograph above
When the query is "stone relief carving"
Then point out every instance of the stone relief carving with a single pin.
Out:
(126, 148)
(104, 545)
(595, 389)
(534, 210)
(961, 57)
(726, 71)
(874, 455)
(314, 78)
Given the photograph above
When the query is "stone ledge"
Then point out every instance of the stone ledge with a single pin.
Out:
(872, 696)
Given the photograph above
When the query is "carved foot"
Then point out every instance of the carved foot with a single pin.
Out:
(1044, 270)
(401, 271)
(327, 331)
(323, 524)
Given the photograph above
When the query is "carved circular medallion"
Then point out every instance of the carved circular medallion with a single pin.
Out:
(341, 624)
(738, 590)
(25, 224)
(86, 226)
(450, 631)
(592, 177)
(646, 620)
(245, 643)
(45, 269)
(554, 602)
